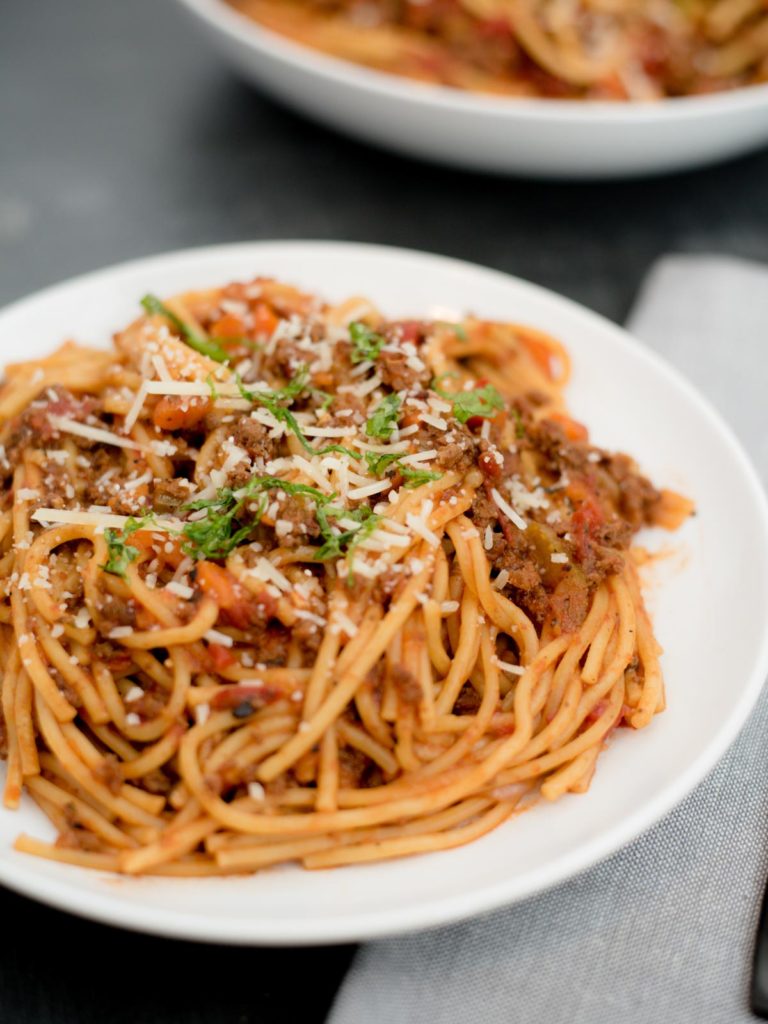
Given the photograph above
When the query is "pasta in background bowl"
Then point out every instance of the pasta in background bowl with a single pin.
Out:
(558, 49)
(618, 93)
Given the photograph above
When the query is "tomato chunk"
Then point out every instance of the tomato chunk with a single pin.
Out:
(177, 412)
(572, 429)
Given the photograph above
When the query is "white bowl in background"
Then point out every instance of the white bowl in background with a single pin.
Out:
(711, 626)
(537, 137)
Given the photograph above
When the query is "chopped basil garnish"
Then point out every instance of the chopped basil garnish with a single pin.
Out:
(384, 418)
(225, 524)
(458, 329)
(415, 477)
(121, 553)
(223, 527)
(366, 344)
(412, 475)
(485, 401)
(194, 338)
(273, 402)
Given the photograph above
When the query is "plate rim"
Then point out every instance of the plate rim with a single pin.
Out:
(294, 930)
(241, 30)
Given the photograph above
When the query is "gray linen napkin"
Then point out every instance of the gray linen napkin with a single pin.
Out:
(662, 931)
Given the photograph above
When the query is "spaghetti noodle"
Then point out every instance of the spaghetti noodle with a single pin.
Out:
(571, 49)
(289, 581)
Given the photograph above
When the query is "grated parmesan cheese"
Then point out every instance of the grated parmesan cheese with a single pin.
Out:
(256, 791)
(434, 421)
(213, 636)
(161, 367)
(501, 580)
(325, 431)
(69, 426)
(265, 571)
(343, 624)
(419, 526)
(82, 619)
(524, 499)
(508, 511)
(132, 485)
(119, 631)
(80, 517)
(507, 666)
(374, 488)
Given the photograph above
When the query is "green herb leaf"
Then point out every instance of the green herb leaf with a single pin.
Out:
(377, 463)
(220, 531)
(519, 425)
(413, 476)
(485, 401)
(272, 401)
(225, 526)
(121, 554)
(194, 338)
(239, 339)
(264, 397)
(266, 483)
(458, 329)
(336, 545)
(212, 387)
(384, 418)
(366, 344)
(326, 399)
(216, 535)
(416, 477)
(366, 529)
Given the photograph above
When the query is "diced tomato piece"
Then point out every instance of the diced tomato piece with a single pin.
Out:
(411, 330)
(144, 618)
(219, 584)
(220, 657)
(488, 465)
(176, 412)
(498, 28)
(540, 353)
(572, 429)
(233, 600)
(588, 517)
(264, 319)
(229, 326)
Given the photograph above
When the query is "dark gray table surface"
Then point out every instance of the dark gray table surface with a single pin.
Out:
(121, 135)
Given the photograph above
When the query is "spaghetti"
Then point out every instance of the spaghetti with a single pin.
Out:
(570, 49)
(289, 581)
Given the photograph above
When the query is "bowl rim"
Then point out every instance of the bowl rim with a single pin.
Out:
(241, 30)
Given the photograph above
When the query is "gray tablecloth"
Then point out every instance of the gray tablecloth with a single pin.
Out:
(662, 931)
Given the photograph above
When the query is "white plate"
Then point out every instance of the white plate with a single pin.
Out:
(540, 137)
(712, 626)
